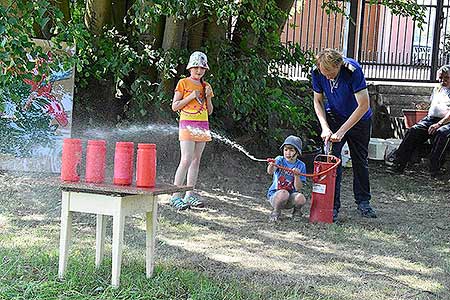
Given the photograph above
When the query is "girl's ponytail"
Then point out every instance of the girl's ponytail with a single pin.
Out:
(202, 81)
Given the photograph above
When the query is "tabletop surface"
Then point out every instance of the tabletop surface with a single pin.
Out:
(104, 188)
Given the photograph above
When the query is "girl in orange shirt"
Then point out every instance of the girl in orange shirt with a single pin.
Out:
(193, 100)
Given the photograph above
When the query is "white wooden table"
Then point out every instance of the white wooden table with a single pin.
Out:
(118, 202)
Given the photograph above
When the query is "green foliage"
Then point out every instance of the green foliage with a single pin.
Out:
(256, 96)
(17, 21)
(244, 88)
(250, 86)
(264, 104)
(404, 8)
(24, 122)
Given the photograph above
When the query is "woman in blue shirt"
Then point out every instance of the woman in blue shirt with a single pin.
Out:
(342, 105)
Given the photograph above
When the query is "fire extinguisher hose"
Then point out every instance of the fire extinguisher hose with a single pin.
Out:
(330, 158)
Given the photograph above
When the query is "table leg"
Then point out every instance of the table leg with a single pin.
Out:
(100, 240)
(151, 221)
(118, 225)
(66, 233)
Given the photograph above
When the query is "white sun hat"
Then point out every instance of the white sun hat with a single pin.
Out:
(198, 59)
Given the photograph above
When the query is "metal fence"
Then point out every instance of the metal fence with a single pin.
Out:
(313, 29)
(388, 47)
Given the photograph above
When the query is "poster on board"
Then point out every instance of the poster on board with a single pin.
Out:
(36, 115)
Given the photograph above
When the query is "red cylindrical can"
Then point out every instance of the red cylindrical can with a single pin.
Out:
(71, 159)
(95, 161)
(123, 163)
(146, 165)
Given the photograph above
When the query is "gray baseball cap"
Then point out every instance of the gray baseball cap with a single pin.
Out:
(294, 141)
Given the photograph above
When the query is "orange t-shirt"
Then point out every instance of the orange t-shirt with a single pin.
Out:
(194, 124)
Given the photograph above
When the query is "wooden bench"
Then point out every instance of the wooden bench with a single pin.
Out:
(118, 202)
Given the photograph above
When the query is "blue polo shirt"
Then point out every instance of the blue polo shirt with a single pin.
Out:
(341, 93)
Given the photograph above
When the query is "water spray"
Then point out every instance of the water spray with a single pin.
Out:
(236, 146)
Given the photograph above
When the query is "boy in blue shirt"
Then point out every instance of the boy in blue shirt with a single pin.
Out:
(284, 193)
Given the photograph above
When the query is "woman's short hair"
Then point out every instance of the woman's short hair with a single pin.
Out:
(444, 69)
(329, 59)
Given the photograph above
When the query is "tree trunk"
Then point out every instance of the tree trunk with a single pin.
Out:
(195, 29)
(64, 6)
(119, 11)
(215, 33)
(173, 37)
(159, 33)
(155, 38)
(285, 6)
(98, 14)
(44, 33)
(214, 36)
(244, 37)
(173, 34)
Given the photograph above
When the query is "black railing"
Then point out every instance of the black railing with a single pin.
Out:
(387, 46)
(313, 29)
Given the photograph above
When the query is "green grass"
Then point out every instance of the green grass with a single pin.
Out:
(32, 274)
(29, 264)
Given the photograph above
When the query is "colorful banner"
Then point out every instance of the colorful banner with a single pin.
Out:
(36, 115)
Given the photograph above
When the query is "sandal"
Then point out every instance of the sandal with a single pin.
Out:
(194, 201)
(274, 216)
(178, 203)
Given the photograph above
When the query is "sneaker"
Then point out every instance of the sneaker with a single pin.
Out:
(178, 203)
(366, 211)
(395, 169)
(194, 201)
(335, 215)
(297, 213)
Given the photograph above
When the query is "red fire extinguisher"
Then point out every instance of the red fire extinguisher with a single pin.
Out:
(322, 196)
